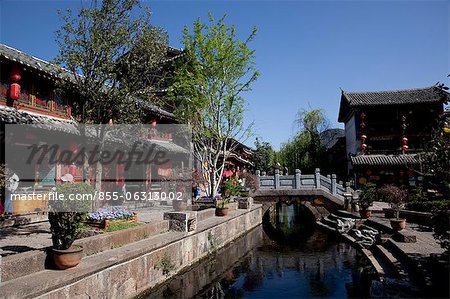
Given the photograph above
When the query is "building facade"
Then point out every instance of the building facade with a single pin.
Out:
(385, 131)
(28, 95)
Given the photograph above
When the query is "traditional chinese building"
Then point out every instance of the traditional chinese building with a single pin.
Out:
(240, 158)
(28, 96)
(386, 130)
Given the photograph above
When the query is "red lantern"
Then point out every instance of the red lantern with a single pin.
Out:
(405, 148)
(14, 91)
(362, 125)
(404, 140)
(363, 137)
(73, 169)
(363, 146)
(362, 116)
(15, 74)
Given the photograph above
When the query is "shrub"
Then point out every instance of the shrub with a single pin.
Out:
(427, 206)
(441, 226)
(368, 196)
(66, 216)
(395, 196)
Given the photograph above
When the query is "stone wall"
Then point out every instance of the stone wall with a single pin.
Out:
(128, 278)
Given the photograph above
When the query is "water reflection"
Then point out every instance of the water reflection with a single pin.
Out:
(299, 262)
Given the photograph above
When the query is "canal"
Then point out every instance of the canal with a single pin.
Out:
(286, 257)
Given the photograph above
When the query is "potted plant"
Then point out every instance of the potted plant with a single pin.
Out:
(222, 207)
(366, 199)
(396, 198)
(66, 222)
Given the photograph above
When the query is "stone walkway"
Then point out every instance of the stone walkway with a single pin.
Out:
(36, 236)
(425, 245)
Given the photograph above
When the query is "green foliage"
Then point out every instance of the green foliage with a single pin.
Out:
(437, 158)
(427, 206)
(263, 156)
(212, 240)
(207, 92)
(115, 226)
(395, 196)
(231, 187)
(112, 54)
(305, 151)
(66, 217)
(441, 226)
(368, 196)
(222, 203)
(165, 264)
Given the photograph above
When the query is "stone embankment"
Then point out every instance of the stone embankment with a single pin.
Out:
(125, 263)
(406, 262)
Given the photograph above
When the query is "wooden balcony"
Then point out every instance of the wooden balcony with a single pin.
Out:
(29, 102)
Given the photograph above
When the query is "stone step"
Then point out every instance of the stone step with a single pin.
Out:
(375, 262)
(326, 227)
(378, 225)
(347, 214)
(418, 271)
(329, 222)
(390, 259)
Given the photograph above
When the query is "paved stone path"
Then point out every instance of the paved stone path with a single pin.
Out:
(426, 244)
(36, 236)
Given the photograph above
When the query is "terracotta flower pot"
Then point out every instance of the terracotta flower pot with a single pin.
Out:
(365, 214)
(398, 224)
(221, 212)
(67, 258)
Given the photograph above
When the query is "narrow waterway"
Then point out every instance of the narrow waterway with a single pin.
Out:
(286, 257)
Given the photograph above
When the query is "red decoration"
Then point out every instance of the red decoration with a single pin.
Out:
(153, 122)
(14, 91)
(362, 125)
(73, 169)
(405, 148)
(44, 103)
(363, 137)
(73, 147)
(362, 115)
(38, 101)
(404, 140)
(363, 146)
(15, 74)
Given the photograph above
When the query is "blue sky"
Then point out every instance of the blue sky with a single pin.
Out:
(306, 50)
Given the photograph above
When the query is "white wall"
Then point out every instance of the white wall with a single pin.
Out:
(350, 138)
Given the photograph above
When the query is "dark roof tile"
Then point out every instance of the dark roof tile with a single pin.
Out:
(393, 97)
(385, 160)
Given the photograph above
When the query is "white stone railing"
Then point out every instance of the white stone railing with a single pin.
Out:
(302, 181)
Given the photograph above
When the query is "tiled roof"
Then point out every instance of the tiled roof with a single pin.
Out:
(406, 159)
(32, 62)
(393, 97)
(58, 72)
(13, 116)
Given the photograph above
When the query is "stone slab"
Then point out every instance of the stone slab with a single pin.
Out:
(126, 271)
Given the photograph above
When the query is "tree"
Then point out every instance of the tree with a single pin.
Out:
(207, 92)
(110, 59)
(264, 156)
(305, 150)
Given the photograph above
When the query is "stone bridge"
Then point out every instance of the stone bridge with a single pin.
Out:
(320, 194)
